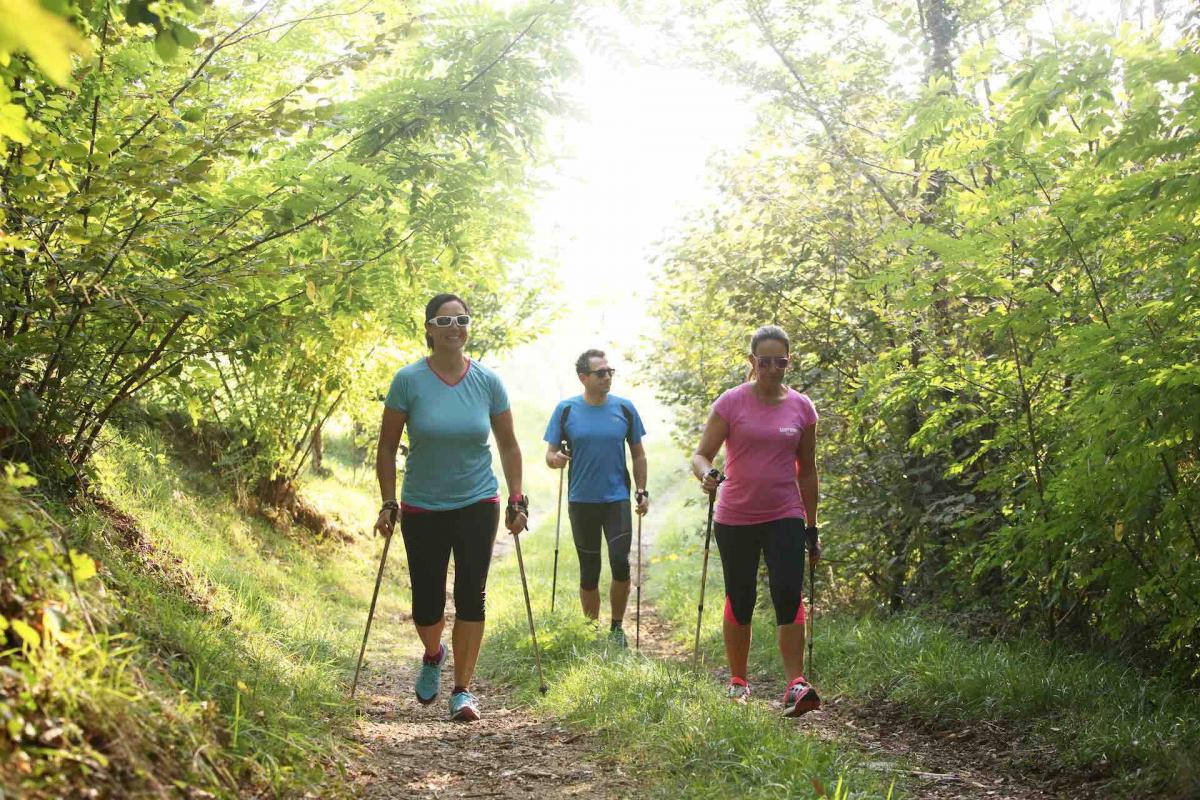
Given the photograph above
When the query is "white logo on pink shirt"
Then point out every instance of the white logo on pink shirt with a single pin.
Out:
(789, 431)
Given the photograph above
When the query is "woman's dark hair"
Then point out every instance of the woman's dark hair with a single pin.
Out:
(767, 333)
(583, 364)
(437, 302)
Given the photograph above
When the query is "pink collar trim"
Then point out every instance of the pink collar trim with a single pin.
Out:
(457, 380)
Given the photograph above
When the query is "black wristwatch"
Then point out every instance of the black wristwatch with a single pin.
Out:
(390, 505)
(812, 535)
(641, 494)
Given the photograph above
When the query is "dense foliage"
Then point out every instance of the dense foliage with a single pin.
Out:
(248, 229)
(978, 221)
(44, 625)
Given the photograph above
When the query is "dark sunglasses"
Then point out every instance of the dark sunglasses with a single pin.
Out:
(780, 362)
(461, 320)
(607, 372)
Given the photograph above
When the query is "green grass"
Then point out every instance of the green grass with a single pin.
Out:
(1097, 716)
(671, 727)
(246, 633)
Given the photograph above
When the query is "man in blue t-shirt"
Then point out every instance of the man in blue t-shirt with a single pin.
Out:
(589, 431)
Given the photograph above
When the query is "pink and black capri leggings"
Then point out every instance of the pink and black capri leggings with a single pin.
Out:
(782, 542)
(430, 537)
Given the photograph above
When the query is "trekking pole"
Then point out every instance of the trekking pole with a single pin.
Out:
(557, 527)
(537, 655)
(811, 535)
(712, 473)
(637, 639)
(387, 542)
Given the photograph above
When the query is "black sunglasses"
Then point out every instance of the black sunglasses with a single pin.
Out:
(607, 372)
(766, 361)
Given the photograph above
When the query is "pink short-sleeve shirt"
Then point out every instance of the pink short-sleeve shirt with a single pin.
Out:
(760, 456)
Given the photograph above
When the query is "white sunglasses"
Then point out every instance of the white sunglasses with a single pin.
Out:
(461, 320)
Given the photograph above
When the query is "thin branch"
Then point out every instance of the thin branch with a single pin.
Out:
(765, 28)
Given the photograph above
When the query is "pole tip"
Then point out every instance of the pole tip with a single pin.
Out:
(543, 689)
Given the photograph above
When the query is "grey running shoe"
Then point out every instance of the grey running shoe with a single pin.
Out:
(738, 691)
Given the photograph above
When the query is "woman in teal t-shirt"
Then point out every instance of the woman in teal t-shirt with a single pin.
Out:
(450, 503)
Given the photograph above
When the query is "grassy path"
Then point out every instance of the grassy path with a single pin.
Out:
(913, 708)
(257, 634)
(964, 762)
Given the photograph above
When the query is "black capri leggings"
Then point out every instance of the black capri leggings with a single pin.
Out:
(429, 538)
(782, 541)
(587, 520)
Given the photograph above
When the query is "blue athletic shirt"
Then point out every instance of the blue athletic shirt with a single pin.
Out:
(449, 463)
(597, 436)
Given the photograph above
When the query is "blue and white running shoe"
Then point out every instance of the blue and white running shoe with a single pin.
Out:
(464, 706)
(429, 678)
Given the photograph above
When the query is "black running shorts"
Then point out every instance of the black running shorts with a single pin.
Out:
(587, 522)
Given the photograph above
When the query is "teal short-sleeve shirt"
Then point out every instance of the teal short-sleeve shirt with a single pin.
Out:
(449, 462)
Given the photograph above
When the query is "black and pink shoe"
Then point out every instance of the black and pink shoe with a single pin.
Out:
(800, 698)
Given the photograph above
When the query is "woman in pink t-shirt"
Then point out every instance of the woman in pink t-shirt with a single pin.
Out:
(767, 505)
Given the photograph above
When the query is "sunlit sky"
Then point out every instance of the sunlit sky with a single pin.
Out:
(631, 165)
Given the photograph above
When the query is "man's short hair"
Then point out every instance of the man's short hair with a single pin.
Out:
(583, 364)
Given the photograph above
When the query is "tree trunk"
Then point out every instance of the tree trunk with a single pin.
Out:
(924, 471)
(317, 450)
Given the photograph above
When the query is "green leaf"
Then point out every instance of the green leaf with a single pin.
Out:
(82, 566)
(48, 39)
(166, 46)
(28, 634)
(185, 36)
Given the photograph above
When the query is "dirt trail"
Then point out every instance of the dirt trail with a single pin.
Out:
(414, 751)
(968, 760)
